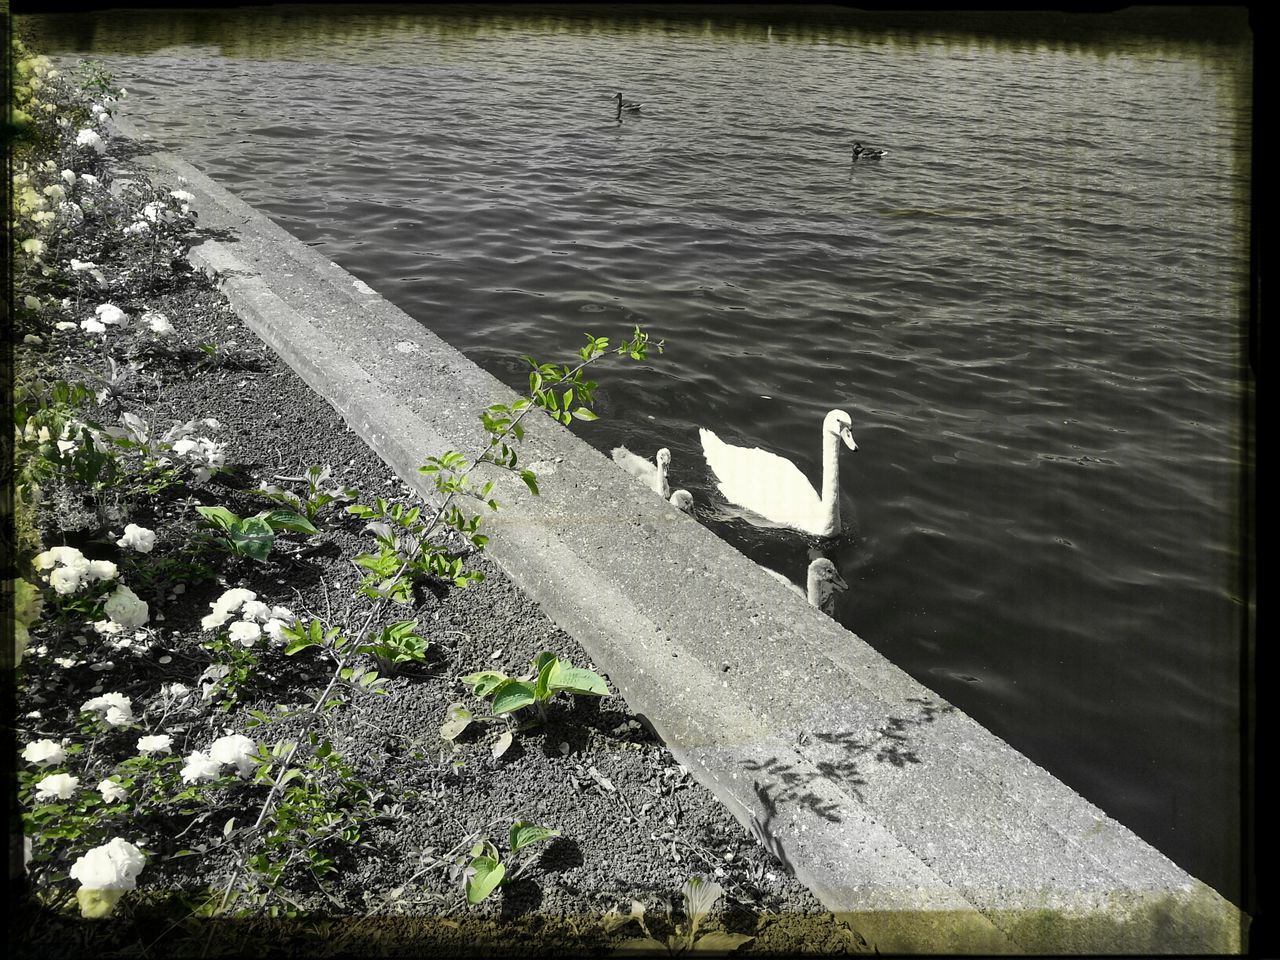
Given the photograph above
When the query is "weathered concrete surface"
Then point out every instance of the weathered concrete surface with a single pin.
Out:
(924, 830)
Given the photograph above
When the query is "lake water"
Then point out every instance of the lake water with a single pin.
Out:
(1033, 309)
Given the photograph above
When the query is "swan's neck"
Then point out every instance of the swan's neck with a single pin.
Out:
(830, 482)
(660, 484)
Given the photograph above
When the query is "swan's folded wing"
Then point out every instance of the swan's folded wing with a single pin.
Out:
(770, 485)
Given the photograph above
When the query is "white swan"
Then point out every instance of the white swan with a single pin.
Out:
(653, 475)
(824, 582)
(774, 487)
(682, 500)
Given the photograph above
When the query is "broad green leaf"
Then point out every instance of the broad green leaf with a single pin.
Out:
(541, 691)
(459, 719)
(720, 941)
(512, 695)
(288, 520)
(484, 682)
(524, 833)
(253, 538)
(582, 413)
(530, 480)
(577, 680)
(298, 644)
(700, 895)
(641, 946)
(488, 874)
(502, 744)
(220, 517)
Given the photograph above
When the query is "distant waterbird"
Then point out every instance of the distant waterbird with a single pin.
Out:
(824, 582)
(867, 153)
(774, 487)
(654, 475)
(629, 106)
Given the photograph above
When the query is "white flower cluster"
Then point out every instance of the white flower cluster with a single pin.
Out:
(256, 618)
(158, 323)
(158, 743)
(89, 267)
(57, 786)
(126, 610)
(203, 455)
(137, 538)
(115, 708)
(234, 748)
(105, 315)
(69, 570)
(105, 873)
(44, 753)
(88, 137)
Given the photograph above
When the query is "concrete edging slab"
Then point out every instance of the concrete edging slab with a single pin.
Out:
(923, 829)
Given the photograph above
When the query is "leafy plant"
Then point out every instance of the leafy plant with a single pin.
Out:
(700, 896)
(550, 675)
(253, 537)
(486, 871)
(404, 553)
(319, 493)
(397, 644)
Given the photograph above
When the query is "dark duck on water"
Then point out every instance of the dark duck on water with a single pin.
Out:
(867, 153)
(628, 105)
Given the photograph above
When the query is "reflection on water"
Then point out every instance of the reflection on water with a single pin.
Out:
(1032, 307)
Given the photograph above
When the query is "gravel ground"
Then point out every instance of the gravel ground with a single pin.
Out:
(634, 825)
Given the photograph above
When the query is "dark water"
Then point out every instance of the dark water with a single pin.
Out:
(1032, 309)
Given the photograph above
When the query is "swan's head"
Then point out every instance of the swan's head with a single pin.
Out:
(838, 422)
(663, 458)
(825, 571)
(682, 500)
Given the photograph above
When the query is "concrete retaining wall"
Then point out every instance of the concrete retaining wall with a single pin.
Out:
(921, 828)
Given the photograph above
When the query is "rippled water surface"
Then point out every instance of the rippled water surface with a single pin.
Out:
(1032, 309)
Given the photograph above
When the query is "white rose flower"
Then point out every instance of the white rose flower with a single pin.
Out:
(245, 632)
(89, 138)
(44, 753)
(65, 580)
(212, 621)
(90, 179)
(255, 610)
(82, 266)
(31, 303)
(33, 247)
(274, 628)
(200, 766)
(112, 792)
(102, 570)
(92, 326)
(126, 608)
(64, 325)
(57, 786)
(70, 177)
(235, 748)
(182, 196)
(112, 866)
(116, 708)
(137, 538)
(110, 313)
(159, 743)
(158, 323)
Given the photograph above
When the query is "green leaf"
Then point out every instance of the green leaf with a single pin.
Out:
(459, 719)
(502, 744)
(577, 680)
(544, 665)
(253, 538)
(512, 695)
(488, 874)
(530, 480)
(720, 941)
(524, 833)
(288, 520)
(220, 517)
(484, 682)
(582, 413)
(299, 644)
